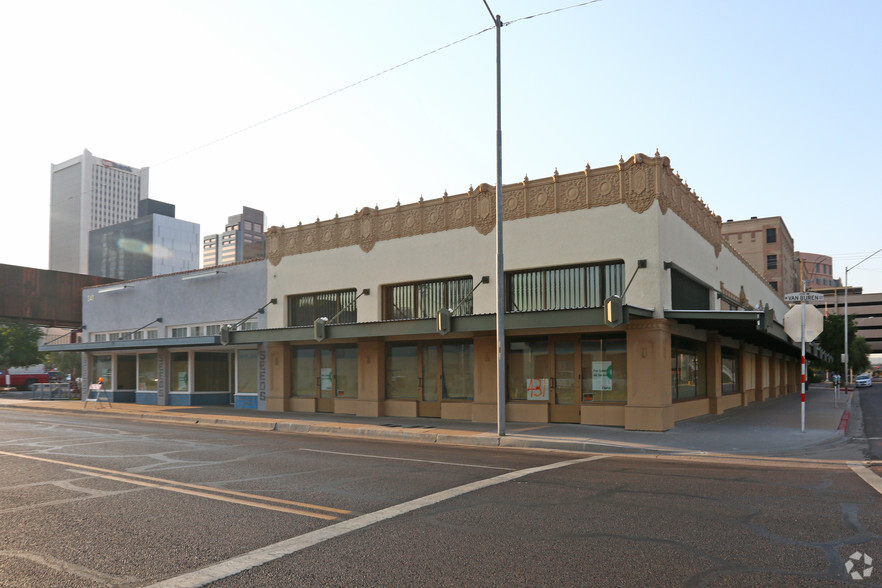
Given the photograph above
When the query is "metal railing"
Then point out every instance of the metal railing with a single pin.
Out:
(52, 391)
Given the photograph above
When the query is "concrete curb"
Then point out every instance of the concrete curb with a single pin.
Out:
(416, 434)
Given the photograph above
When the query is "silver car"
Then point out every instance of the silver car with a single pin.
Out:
(863, 381)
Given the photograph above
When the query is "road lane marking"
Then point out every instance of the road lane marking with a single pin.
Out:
(221, 498)
(287, 547)
(462, 465)
(211, 489)
(66, 567)
(867, 475)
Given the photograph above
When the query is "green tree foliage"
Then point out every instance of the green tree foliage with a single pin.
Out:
(832, 340)
(18, 345)
(66, 362)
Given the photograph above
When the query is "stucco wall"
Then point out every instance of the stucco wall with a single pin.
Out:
(223, 298)
(582, 236)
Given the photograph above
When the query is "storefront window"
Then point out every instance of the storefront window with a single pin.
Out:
(347, 371)
(687, 369)
(458, 371)
(211, 372)
(402, 372)
(604, 370)
(147, 377)
(180, 372)
(729, 376)
(102, 367)
(246, 371)
(526, 360)
(126, 372)
(303, 378)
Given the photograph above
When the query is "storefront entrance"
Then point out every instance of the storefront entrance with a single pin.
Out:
(325, 373)
(430, 373)
(565, 382)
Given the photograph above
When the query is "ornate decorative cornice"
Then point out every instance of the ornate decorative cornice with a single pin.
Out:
(636, 182)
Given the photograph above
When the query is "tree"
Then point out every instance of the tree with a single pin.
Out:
(832, 340)
(18, 345)
(66, 362)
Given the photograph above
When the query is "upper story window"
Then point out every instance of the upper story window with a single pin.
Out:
(425, 299)
(771, 262)
(559, 288)
(304, 309)
(771, 235)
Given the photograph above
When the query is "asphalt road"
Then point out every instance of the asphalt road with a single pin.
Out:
(89, 502)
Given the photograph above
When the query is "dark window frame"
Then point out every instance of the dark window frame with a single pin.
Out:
(772, 261)
(423, 299)
(325, 304)
(563, 287)
(772, 235)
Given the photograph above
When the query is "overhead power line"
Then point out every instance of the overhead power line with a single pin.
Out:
(359, 82)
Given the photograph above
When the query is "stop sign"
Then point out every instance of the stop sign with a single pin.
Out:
(814, 323)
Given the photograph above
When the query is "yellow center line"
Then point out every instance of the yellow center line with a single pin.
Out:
(171, 488)
(163, 482)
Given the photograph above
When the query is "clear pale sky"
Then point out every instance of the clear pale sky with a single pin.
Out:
(766, 108)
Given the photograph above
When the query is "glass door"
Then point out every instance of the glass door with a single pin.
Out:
(326, 381)
(430, 382)
(565, 405)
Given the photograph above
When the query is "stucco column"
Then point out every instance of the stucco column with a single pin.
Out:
(278, 376)
(761, 369)
(714, 354)
(484, 405)
(743, 358)
(371, 378)
(649, 406)
(773, 376)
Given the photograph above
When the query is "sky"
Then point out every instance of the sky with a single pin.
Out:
(764, 108)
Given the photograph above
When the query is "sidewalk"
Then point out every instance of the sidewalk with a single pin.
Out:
(768, 429)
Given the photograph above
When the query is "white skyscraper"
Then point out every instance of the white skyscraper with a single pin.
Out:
(89, 193)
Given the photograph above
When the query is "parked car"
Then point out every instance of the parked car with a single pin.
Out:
(863, 381)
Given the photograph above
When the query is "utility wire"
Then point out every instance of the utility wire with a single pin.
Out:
(363, 80)
(328, 95)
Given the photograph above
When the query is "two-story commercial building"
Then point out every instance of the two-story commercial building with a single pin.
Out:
(356, 328)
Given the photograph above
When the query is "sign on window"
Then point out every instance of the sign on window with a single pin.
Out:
(537, 389)
(601, 375)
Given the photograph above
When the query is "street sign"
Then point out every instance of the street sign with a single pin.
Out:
(814, 323)
(804, 297)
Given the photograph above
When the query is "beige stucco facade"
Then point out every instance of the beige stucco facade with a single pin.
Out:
(620, 215)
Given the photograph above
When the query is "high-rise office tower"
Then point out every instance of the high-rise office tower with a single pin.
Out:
(155, 243)
(89, 193)
(243, 239)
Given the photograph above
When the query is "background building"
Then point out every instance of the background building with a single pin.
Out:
(766, 244)
(242, 239)
(818, 271)
(89, 193)
(155, 243)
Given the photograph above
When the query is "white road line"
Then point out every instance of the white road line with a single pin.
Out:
(867, 475)
(269, 553)
(462, 465)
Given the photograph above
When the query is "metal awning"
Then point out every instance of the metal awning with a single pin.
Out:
(744, 326)
(135, 344)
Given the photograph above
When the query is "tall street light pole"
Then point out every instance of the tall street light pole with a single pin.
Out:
(500, 267)
(847, 378)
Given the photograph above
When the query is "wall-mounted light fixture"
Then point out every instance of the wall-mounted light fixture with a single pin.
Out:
(210, 274)
(116, 288)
